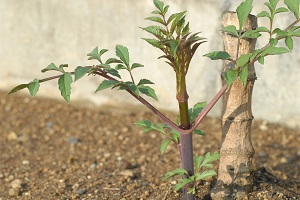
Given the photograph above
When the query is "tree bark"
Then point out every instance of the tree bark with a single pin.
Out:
(234, 178)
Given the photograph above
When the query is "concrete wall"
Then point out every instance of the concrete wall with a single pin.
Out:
(34, 33)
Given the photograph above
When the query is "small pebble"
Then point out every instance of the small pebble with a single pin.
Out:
(25, 162)
(73, 140)
(12, 136)
(13, 192)
(80, 191)
(16, 184)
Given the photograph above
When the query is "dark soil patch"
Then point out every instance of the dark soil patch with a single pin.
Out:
(52, 150)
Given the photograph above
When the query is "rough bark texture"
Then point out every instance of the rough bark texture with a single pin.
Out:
(234, 178)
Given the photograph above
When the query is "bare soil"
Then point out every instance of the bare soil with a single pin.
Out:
(52, 150)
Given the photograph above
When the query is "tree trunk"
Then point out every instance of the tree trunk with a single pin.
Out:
(234, 178)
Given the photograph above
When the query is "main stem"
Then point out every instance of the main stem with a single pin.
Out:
(186, 140)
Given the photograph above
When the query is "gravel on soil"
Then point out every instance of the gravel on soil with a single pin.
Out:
(52, 150)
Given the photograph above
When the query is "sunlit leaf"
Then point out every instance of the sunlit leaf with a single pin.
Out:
(80, 72)
(106, 84)
(181, 185)
(264, 14)
(123, 54)
(64, 83)
(156, 19)
(230, 77)
(94, 55)
(159, 5)
(164, 145)
(293, 6)
(243, 59)
(243, 11)
(231, 30)
(144, 82)
(289, 42)
(51, 67)
(216, 55)
(147, 91)
(136, 65)
(204, 175)
(34, 87)
(244, 74)
(18, 88)
(153, 42)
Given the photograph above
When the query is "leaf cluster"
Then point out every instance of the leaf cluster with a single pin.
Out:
(171, 134)
(242, 62)
(201, 162)
(173, 37)
(104, 69)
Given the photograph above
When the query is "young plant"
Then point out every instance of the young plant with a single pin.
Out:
(234, 179)
(178, 44)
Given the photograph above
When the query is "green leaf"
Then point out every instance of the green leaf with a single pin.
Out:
(156, 19)
(159, 5)
(231, 30)
(81, 71)
(280, 10)
(18, 88)
(52, 66)
(230, 77)
(273, 42)
(289, 42)
(197, 108)
(293, 6)
(113, 72)
(243, 60)
(261, 60)
(204, 175)
(120, 66)
(175, 22)
(183, 183)
(123, 54)
(136, 65)
(215, 55)
(279, 33)
(112, 60)
(251, 34)
(244, 74)
(198, 161)
(147, 91)
(176, 16)
(64, 83)
(243, 10)
(106, 84)
(34, 87)
(149, 126)
(264, 14)
(186, 29)
(211, 157)
(133, 88)
(176, 172)
(271, 50)
(164, 145)
(296, 33)
(102, 51)
(157, 31)
(153, 42)
(144, 82)
(173, 45)
(94, 55)
(198, 132)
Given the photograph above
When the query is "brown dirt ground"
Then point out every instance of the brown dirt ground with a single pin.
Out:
(52, 150)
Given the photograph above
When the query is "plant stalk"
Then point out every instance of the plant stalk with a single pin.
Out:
(186, 140)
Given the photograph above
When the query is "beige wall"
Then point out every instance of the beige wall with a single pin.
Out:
(34, 33)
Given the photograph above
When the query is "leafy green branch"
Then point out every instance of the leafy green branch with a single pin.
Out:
(242, 62)
(201, 162)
